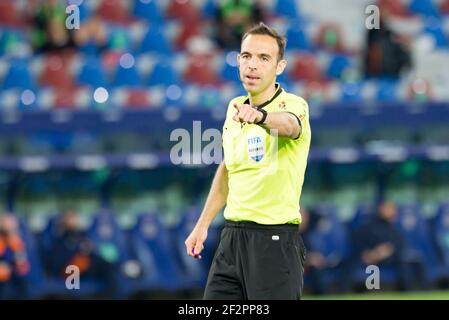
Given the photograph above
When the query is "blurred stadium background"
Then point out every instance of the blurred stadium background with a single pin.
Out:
(86, 116)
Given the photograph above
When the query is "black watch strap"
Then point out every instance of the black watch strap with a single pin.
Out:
(264, 116)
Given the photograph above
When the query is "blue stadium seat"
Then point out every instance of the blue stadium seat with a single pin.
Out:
(105, 228)
(387, 90)
(434, 28)
(152, 243)
(89, 48)
(84, 10)
(351, 91)
(423, 7)
(330, 238)
(230, 73)
(45, 237)
(361, 216)
(195, 270)
(163, 74)
(148, 10)
(419, 245)
(126, 77)
(18, 75)
(112, 244)
(92, 73)
(283, 81)
(440, 228)
(287, 8)
(155, 41)
(337, 66)
(333, 231)
(209, 9)
(297, 38)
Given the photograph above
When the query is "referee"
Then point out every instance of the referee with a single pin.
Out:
(266, 139)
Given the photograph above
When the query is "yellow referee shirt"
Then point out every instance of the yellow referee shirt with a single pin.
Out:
(265, 172)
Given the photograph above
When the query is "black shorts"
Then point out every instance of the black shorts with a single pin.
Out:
(257, 262)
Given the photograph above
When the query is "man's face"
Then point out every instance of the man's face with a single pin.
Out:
(71, 221)
(8, 223)
(258, 63)
(388, 211)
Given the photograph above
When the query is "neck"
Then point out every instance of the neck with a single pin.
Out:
(263, 96)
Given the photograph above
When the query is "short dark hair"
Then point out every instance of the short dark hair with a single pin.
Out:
(263, 29)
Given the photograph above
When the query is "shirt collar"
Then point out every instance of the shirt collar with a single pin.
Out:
(275, 95)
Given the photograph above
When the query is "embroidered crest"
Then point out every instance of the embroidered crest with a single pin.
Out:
(282, 105)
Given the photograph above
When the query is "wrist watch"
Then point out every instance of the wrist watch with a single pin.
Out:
(264, 116)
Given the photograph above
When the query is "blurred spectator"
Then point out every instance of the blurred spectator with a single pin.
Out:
(50, 32)
(387, 53)
(14, 264)
(379, 242)
(321, 268)
(71, 246)
(233, 18)
(92, 31)
(315, 261)
(330, 38)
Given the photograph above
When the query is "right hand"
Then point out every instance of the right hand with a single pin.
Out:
(246, 113)
(385, 250)
(195, 242)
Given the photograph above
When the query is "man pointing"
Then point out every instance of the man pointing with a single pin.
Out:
(266, 139)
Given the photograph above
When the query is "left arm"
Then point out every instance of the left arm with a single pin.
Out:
(285, 123)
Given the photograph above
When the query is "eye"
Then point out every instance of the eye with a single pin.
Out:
(265, 58)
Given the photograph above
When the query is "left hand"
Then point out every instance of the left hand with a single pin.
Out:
(246, 113)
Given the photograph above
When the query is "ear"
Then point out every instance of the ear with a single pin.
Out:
(281, 66)
(238, 67)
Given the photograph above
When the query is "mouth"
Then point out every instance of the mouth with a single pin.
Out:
(251, 77)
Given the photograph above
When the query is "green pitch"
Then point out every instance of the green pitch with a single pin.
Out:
(416, 295)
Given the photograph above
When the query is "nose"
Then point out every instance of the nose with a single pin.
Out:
(252, 64)
(252, 68)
